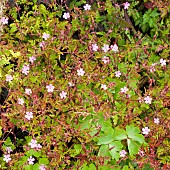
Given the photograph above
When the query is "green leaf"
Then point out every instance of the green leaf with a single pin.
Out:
(133, 133)
(120, 134)
(116, 148)
(125, 167)
(92, 167)
(33, 152)
(44, 161)
(104, 150)
(106, 139)
(133, 147)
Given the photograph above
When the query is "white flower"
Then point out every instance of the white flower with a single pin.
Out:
(33, 143)
(63, 95)
(80, 72)
(126, 5)
(123, 153)
(7, 158)
(8, 149)
(145, 131)
(31, 160)
(42, 44)
(28, 91)
(21, 101)
(9, 78)
(39, 146)
(42, 167)
(103, 86)
(4, 20)
(87, 7)
(163, 62)
(124, 90)
(29, 115)
(66, 15)
(32, 59)
(105, 48)
(141, 153)
(50, 88)
(118, 73)
(106, 60)
(114, 48)
(95, 47)
(25, 69)
(70, 84)
(45, 36)
(156, 120)
(148, 100)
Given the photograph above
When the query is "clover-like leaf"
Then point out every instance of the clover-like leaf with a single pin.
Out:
(133, 133)
(115, 147)
(133, 147)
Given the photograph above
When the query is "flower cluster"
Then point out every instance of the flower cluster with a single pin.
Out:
(34, 144)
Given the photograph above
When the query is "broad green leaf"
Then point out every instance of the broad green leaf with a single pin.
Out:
(92, 167)
(133, 133)
(104, 151)
(133, 147)
(33, 152)
(116, 148)
(44, 161)
(106, 139)
(125, 167)
(119, 134)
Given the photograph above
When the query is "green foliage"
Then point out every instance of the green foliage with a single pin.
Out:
(97, 105)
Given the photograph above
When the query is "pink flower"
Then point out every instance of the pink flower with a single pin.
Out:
(29, 115)
(45, 36)
(8, 149)
(34, 144)
(80, 72)
(124, 90)
(42, 167)
(163, 62)
(70, 84)
(117, 73)
(42, 44)
(114, 48)
(7, 158)
(148, 100)
(145, 131)
(25, 69)
(123, 153)
(126, 5)
(32, 59)
(63, 95)
(141, 153)
(87, 7)
(28, 91)
(4, 20)
(9, 78)
(105, 48)
(156, 121)
(50, 88)
(20, 101)
(106, 60)
(66, 15)
(31, 160)
(95, 47)
(103, 86)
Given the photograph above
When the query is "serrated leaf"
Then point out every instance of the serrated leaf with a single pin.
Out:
(104, 150)
(133, 133)
(116, 148)
(44, 161)
(133, 147)
(106, 139)
(120, 134)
